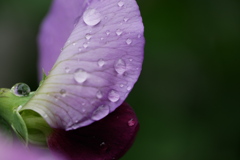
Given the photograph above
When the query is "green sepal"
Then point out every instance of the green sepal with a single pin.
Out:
(10, 105)
(6, 132)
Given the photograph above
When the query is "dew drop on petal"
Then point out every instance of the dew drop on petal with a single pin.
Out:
(129, 88)
(113, 96)
(131, 123)
(103, 147)
(91, 17)
(85, 45)
(121, 85)
(67, 69)
(125, 19)
(100, 112)
(139, 36)
(63, 92)
(107, 32)
(99, 94)
(74, 44)
(88, 36)
(80, 75)
(119, 32)
(120, 66)
(128, 41)
(130, 59)
(101, 62)
(120, 3)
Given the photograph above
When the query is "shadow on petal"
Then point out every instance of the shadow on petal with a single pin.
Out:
(106, 139)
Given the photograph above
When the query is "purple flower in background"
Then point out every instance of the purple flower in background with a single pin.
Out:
(93, 52)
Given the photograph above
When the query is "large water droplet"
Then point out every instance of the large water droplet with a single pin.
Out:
(120, 66)
(120, 3)
(128, 41)
(119, 32)
(91, 17)
(80, 75)
(100, 112)
(88, 36)
(101, 62)
(113, 96)
(99, 94)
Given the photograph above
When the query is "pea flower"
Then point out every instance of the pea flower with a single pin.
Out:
(79, 109)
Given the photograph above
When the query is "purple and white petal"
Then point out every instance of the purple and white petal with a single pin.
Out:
(55, 30)
(97, 68)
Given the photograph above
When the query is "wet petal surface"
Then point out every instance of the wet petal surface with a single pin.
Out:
(97, 68)
(106, 139)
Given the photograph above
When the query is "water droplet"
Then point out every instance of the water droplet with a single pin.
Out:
(99, 94)
(56, 98)
(131, 123)
(119, 32)
(129, 88)
(113, 96)
(91, 17)
(74, 44)
(139, 36)
(63, 92)
(79, 49)
(83, 104)
(121, 85)
(101, 62)
(67, 69)
(85, 45)
(103, 147)
(125, 19)
(120, 3)
(83, 109)
(101, 38)
(130, 59)
(120, 66)
(100, 112)
(128, 41)
(107, 32)
(80, 75)
(88, 36)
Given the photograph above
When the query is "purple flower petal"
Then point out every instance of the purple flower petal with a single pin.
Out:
(106, 139)
(18, 151)
(56, 29)
(98, 66)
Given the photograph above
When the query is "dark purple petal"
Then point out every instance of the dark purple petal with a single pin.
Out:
(99, 64)
(106, 139)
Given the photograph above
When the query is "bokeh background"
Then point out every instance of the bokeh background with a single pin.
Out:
(188, 96)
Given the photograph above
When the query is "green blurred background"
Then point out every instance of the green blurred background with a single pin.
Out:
(187, 98)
